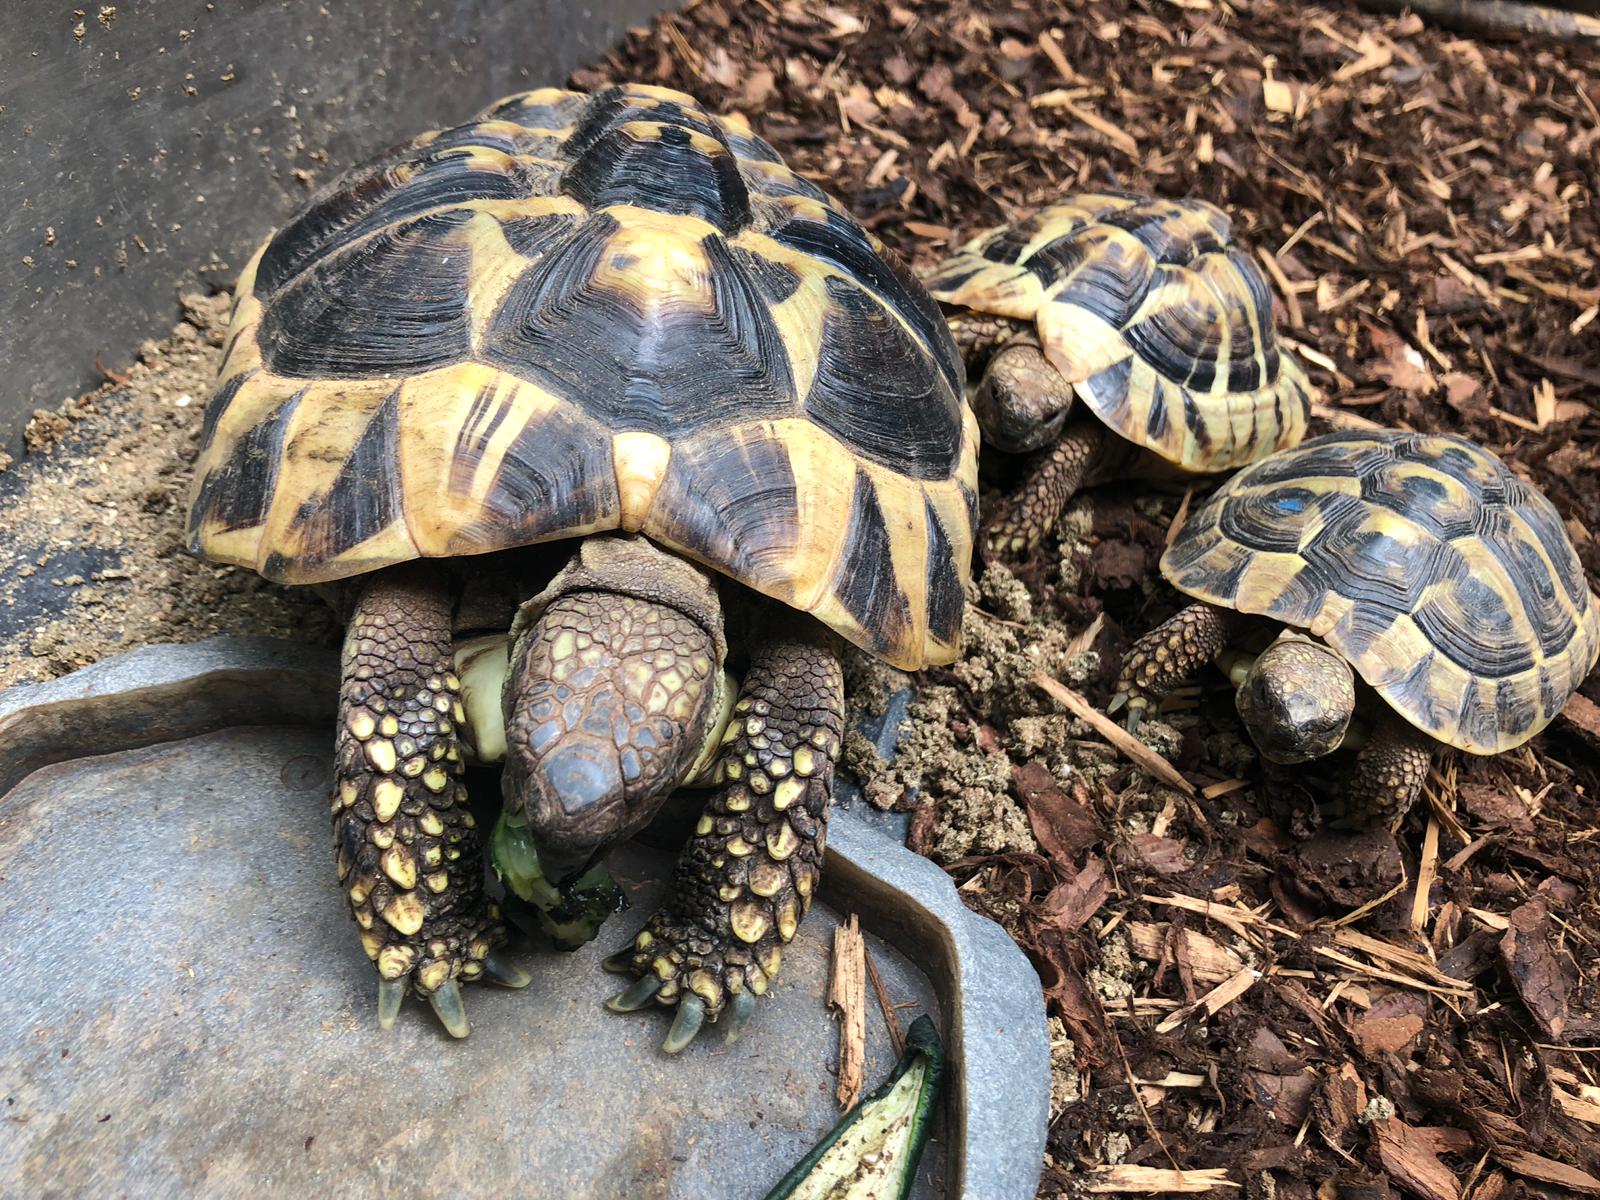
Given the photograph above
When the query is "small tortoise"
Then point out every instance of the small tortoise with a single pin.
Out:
(1144, 310)
(1447, 583)
(619, 322)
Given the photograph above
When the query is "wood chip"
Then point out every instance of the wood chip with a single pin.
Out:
(847, 996)
(1153, 1180)
(1144, 757)
(1547, 1170)
(1215, 1000)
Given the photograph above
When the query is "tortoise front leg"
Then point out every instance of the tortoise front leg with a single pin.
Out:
(748, 874)
(1026, 517)
(407, 849)
(1171, 655)
(1389, 773)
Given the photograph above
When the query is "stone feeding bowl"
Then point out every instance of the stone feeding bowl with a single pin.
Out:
(185, 1010)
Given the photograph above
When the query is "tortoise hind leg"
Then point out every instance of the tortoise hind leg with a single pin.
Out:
(407, 849)
(748, 874)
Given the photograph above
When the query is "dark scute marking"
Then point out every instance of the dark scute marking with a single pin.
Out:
(484, 417)
(364, 204)
(1192, 418)
(1514, 707)
(1245, 360)
(1470, 624)
(395, 304)
(1421, 498)
(664, 173)
(539, 116)
(1551, 698)
(1413, 693)
(945, 596)
(532, 236)
(237, 494)
(751, 147)
(668, 368)
(471, 135)
(839, 241)
(734, 505)
(1550, 618)
(1159, 421)
(364, 498)
(969, 497)
(1180, 337)
(1169, 231)
(1272, 520)
(1361, 628)
(867, 587)
(1008, 245)
(878, 390)
(220, 400)
(1476, 719)
(613, 106)
(1369, 566)
(950, 280)
(773, 185)
(556, 475)
(776, 281)
(1107, 391)
(1333, 456)
(1105, 277)
(1541, 517)
(1195, 562)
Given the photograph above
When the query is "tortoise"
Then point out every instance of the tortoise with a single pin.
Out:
(1146, 311)
(619, 323)
(1418, 562)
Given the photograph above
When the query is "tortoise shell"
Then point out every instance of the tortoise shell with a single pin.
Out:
(1449, 584)
(1163, 325)
(579, 313)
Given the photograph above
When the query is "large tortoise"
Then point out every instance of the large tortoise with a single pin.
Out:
(1141, 310)
(620, 323)
(1418, 562)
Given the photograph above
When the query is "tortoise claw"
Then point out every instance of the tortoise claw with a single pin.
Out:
(691, 1015)
(620, 963)
(505, 973)
(739, 1014)
(635, 997)
(1135, 713)
(449, 1008)
(390, 993)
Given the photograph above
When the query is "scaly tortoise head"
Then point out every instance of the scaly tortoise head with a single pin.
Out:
(1160, 322)
(585, 313)
(1449, 584)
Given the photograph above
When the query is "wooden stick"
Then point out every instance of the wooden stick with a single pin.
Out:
(1132, 747)
(847, 995)
(1496, 16)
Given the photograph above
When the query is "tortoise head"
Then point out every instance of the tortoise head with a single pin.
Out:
(1022, 401)
(1297, 699)
(615, 696)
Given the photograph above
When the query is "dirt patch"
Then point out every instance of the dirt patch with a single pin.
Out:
(93, 562)
(1231, 987)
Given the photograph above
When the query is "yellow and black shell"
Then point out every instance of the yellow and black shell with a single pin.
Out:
(1162, 324)
(580, 313)
(1449, 584)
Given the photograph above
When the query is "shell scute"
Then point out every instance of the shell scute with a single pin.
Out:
(1421, 559)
